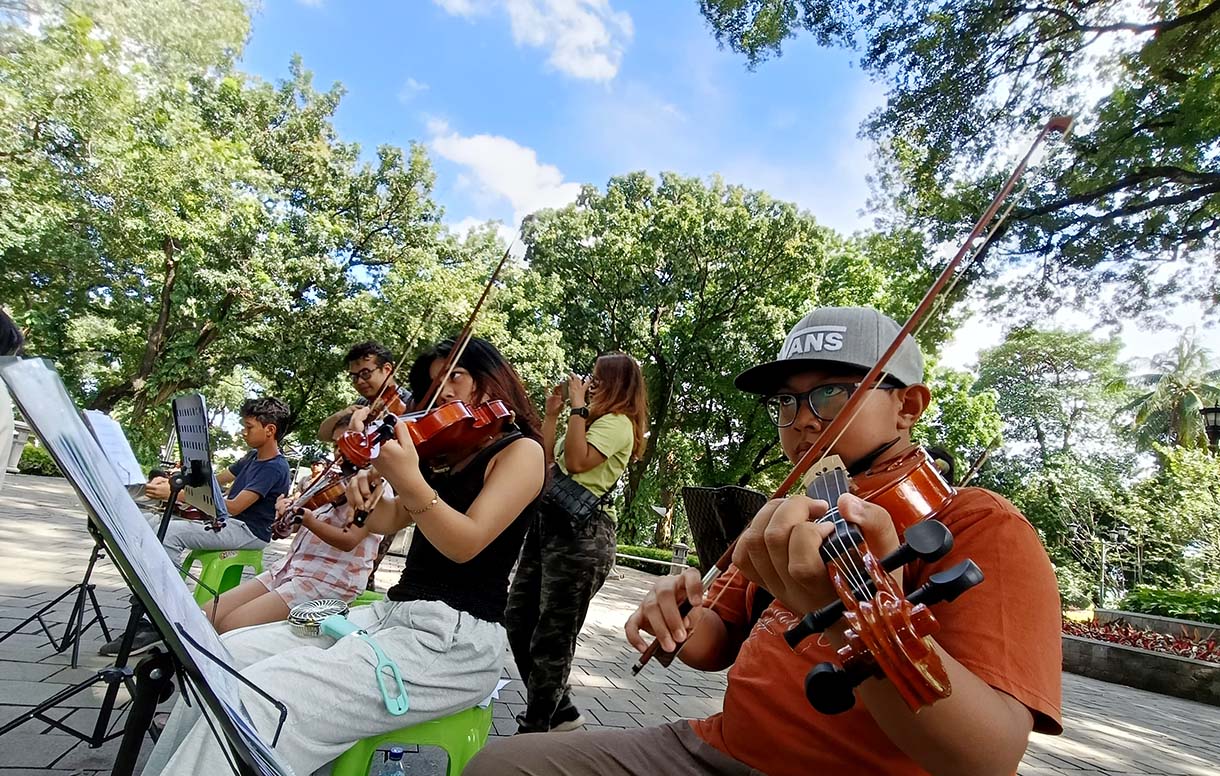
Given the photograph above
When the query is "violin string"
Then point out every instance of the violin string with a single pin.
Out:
(846, 555)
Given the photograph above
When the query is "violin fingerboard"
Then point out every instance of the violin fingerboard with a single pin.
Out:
(827, 483)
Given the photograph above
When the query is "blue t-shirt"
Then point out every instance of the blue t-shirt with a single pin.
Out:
(270, 480)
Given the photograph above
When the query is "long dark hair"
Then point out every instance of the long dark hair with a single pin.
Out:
(10, 336)
(621, 389)
(494, 377)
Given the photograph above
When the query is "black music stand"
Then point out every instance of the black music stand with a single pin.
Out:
(200, 489)
(194, 650)
(110, 437)
(76, 626)
(717, 515)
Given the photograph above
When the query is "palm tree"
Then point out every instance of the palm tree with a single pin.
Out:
(1178, 385)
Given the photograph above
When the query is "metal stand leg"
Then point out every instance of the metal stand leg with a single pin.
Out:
(154, 684)
(112, 677)
(75, 627)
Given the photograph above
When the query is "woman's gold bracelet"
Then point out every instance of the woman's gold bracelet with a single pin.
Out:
(435, 498)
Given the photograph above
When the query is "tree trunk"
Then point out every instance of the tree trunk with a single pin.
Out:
(153, 350)
(663, 535)
(658, 425)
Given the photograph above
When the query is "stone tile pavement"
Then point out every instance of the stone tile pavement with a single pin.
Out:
(44, 547)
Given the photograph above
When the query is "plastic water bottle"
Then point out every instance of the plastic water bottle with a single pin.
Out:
(393, 765)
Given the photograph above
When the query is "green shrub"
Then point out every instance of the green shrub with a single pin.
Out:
(1076, 588)
(1183, 604)
(654, 553)
(36, 460)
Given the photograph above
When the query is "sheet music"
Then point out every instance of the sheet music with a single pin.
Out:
(45, 404)
(110, 437)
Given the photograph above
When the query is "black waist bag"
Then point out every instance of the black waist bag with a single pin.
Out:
(569, 496)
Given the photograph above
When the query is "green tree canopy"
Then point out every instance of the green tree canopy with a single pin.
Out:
(961, 420)
(1056, 390)
(1135, 188)
(166, 219)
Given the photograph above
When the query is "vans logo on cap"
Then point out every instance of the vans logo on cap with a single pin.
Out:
(813, 339)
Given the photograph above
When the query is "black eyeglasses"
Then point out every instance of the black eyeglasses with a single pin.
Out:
(363, 374)
(825, 402)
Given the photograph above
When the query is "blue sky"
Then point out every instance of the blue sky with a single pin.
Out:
(521, 101)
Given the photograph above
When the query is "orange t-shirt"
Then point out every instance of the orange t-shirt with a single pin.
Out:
(1006, 630)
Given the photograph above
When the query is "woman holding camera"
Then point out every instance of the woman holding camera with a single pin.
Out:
(570, 546)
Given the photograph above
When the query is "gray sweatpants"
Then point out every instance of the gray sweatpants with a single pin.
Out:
(449, 661)
(182, 535)
(672, 749)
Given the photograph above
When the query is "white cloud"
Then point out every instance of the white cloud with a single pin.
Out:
(586, 38)
(411, 88)
(458, 7)
(506, 233)
(497, 169)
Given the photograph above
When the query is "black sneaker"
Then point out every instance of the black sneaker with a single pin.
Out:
(567, 718)
(145, 639)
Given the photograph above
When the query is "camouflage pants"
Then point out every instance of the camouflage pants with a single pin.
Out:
(563, 565)
(383, 547)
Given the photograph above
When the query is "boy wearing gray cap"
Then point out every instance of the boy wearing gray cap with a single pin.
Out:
(1000, 641)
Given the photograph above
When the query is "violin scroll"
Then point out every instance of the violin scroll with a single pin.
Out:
(887, 632)
(830, 688)
(928, 541)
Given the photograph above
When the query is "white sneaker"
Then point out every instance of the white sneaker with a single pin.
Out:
(568, 725)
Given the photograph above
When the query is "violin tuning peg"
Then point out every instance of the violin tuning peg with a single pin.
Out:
(929, 540)
(948, 585)
(814, 622)
(831, 689)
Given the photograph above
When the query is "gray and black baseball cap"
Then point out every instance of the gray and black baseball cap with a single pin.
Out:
(837, 336)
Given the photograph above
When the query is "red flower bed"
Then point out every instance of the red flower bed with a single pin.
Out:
(1128, 636)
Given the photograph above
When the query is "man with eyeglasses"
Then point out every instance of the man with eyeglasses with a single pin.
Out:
(370, 365)
(999, 641)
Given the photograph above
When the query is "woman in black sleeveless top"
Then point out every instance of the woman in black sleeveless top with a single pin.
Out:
(442, 625)
(469, 520)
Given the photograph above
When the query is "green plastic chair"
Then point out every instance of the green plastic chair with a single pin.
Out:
(220, 570)
(461, 735)
(367, 597)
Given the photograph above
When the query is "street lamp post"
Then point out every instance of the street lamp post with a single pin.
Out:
(1211, 424)
(1111, 538)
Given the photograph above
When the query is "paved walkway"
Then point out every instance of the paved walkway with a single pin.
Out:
(44, 547)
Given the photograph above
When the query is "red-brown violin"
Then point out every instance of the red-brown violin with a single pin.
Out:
(888, 632)
(441, 436)
(327, 489)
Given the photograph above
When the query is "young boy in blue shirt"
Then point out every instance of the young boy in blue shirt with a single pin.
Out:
(255, 481)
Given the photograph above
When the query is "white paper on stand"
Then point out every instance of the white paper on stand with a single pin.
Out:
(114, 444)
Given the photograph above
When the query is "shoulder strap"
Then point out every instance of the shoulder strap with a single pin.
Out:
(494, 447)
